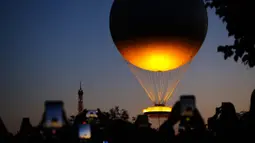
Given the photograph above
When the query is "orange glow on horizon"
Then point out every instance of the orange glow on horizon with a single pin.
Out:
(157, 55)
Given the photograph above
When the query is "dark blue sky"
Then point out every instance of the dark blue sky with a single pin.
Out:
(48, 46)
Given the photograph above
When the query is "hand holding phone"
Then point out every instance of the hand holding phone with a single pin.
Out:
(53, 114)
(187, 105)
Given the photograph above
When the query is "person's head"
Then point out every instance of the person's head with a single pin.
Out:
(25, 126)
(228, 111)
(252, 103)
(119, 130)
(142, 121)
(3, 130)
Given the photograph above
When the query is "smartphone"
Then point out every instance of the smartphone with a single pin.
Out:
(91, 114)
(84, 131)
(187, 105)
(105, 141)
(53, 114)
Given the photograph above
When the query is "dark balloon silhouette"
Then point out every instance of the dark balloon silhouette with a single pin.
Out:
(158, 35)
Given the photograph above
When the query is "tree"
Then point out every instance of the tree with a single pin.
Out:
(239, 18)
(133, 119)
(117, 113)
(71, 119)
(124, 115)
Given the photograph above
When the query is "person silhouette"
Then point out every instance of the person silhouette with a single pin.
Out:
(64, 133)
(248, 124)
(25, 132)
(143, 130)
(252, 106)
(166, 131)
(120, 131)
(196, 132)
(4, 134)
(226, 123)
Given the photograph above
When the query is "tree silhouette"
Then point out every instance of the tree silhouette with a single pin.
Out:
(238, 16)
(133, 119)
(71, 119)
(124, 115)
(117, 113)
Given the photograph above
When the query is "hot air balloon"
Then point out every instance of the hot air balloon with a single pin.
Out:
(158, 39)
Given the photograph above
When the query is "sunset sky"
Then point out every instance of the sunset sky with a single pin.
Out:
(48, 46)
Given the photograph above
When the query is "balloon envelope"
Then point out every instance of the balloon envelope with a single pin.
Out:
(158, 35)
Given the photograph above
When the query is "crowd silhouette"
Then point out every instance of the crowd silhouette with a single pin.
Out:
(224, 126)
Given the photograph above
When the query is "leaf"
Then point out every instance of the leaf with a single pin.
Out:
(245, 58)
(221, 49)
(208, 5)
(236, 58)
